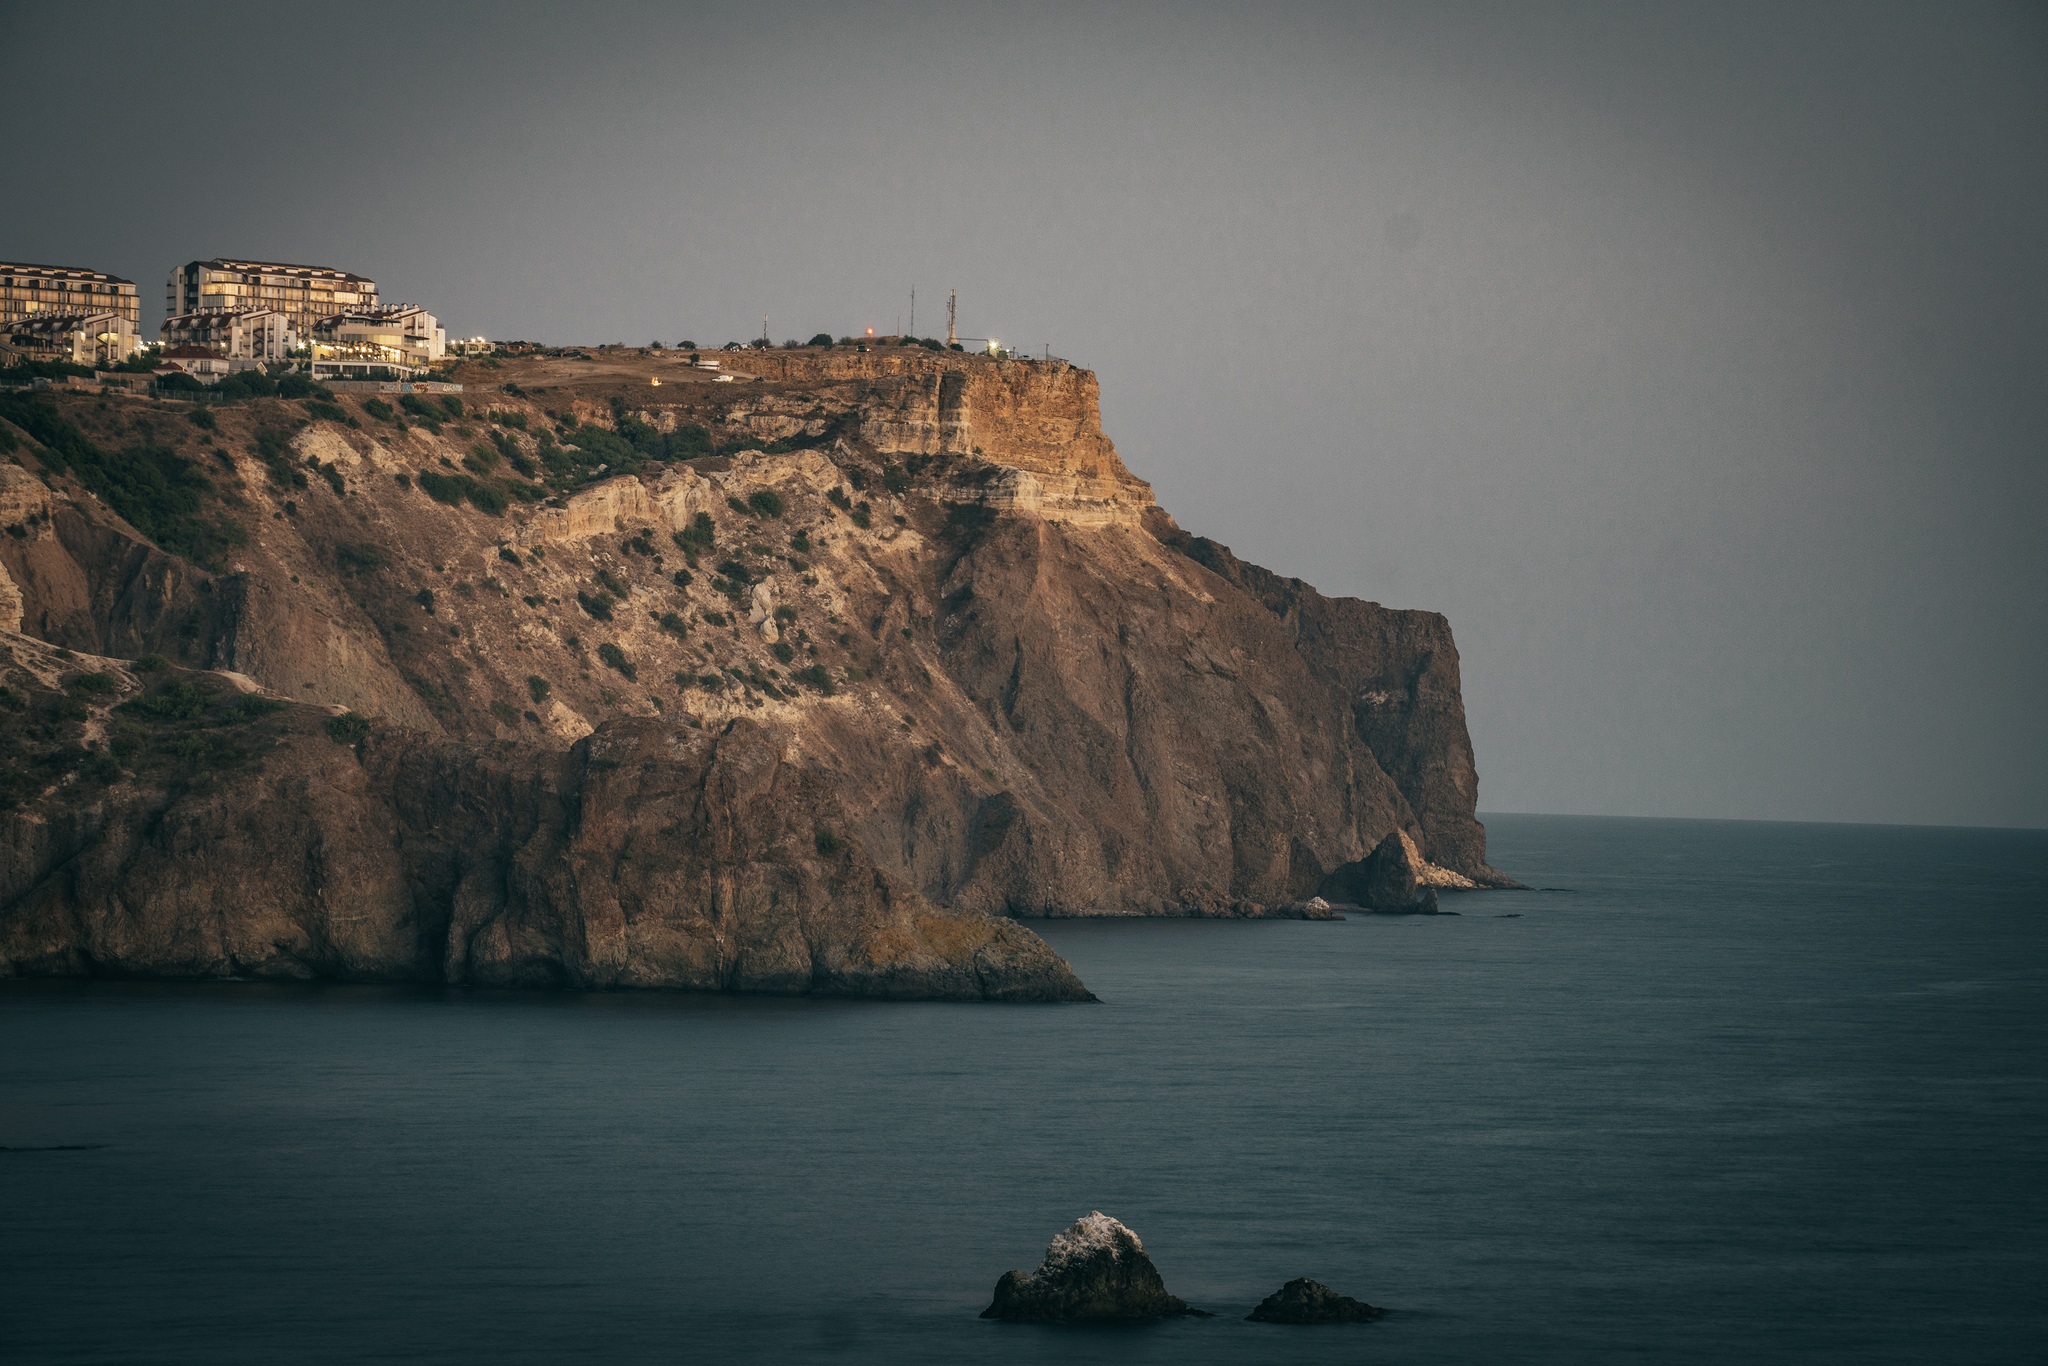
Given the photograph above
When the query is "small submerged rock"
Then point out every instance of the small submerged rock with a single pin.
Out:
(1094, 1272)
(1305, 1301)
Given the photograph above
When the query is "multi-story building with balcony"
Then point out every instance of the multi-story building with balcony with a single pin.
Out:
(303, 294)
(253, 334)
(28, 289)
(401, 339)
(85, 337)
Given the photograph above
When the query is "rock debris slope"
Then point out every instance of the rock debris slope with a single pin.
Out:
(924, 584)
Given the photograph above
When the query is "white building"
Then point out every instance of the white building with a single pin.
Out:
(85, 337)
(304, 294)
(28, 291)
(259, 334)
(202, 363)
(400, 340)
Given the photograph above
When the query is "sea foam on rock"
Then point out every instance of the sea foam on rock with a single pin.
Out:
(1094, 1272)
(1302, 1300)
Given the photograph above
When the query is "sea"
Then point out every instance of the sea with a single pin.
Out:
(1713, 1092)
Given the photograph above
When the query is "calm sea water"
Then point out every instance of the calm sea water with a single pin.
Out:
(1743, 1092)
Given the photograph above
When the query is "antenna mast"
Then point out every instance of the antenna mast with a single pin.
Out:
(913, 308)
(952, 296)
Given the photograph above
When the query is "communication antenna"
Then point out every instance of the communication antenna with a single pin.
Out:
(952, 296)
(764, 327)
(913, 308)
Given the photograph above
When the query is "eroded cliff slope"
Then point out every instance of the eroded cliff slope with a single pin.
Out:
(930, 590)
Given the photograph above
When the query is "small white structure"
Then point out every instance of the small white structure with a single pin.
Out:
(200, 362)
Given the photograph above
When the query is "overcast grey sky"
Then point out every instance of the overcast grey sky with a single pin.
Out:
(1693, 359)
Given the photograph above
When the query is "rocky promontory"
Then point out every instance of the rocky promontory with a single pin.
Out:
(918, 592)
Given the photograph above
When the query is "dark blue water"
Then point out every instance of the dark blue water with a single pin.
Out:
(1746, 1091)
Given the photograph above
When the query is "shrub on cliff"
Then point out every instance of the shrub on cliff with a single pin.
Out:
(766, 502)
(698, 536)
(443, 488)
(615, 659)
(539, 687)
(822, 339)
(363, 558)
(599, 606)
(348, 728)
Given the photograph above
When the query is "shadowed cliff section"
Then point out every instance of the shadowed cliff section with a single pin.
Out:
(242, 840)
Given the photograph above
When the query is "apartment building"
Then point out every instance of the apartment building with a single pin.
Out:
(84, 337)
(400, 338)
(255, 334)
(303, 294)
(30, 289)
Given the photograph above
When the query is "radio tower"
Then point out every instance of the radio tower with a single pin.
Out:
(951, 297)
(913, 308)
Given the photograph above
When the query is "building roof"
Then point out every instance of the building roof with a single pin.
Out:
(208, 317)
(66, 272)
(59, 320)
(193, 353)
(279, 268)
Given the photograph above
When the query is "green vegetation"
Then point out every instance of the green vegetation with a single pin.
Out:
(378, 408)
(615, 659)
(539, 687)
(698, 537)
(274, 450)
(766, 502)
(487, 496)
(815, 676)
(326, 412)
(426, 410)
(829, 844)
(782, 651)
(150, 663)
(967, 522)
(159, 492)
(599, 606)
(348, 729)
(505, 712)
(93, 684)
(613, 584)
(202, 419)
(822, 339)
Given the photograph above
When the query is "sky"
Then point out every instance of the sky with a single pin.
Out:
(1691, 359)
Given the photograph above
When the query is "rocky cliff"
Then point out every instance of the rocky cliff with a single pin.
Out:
(950, 626)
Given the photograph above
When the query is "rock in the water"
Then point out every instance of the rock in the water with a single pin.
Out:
(1095, 1272)
(1305, 1301)
(1387, 879)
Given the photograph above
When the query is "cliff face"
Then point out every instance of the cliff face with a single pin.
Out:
(1008, 680)
(235, 844)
